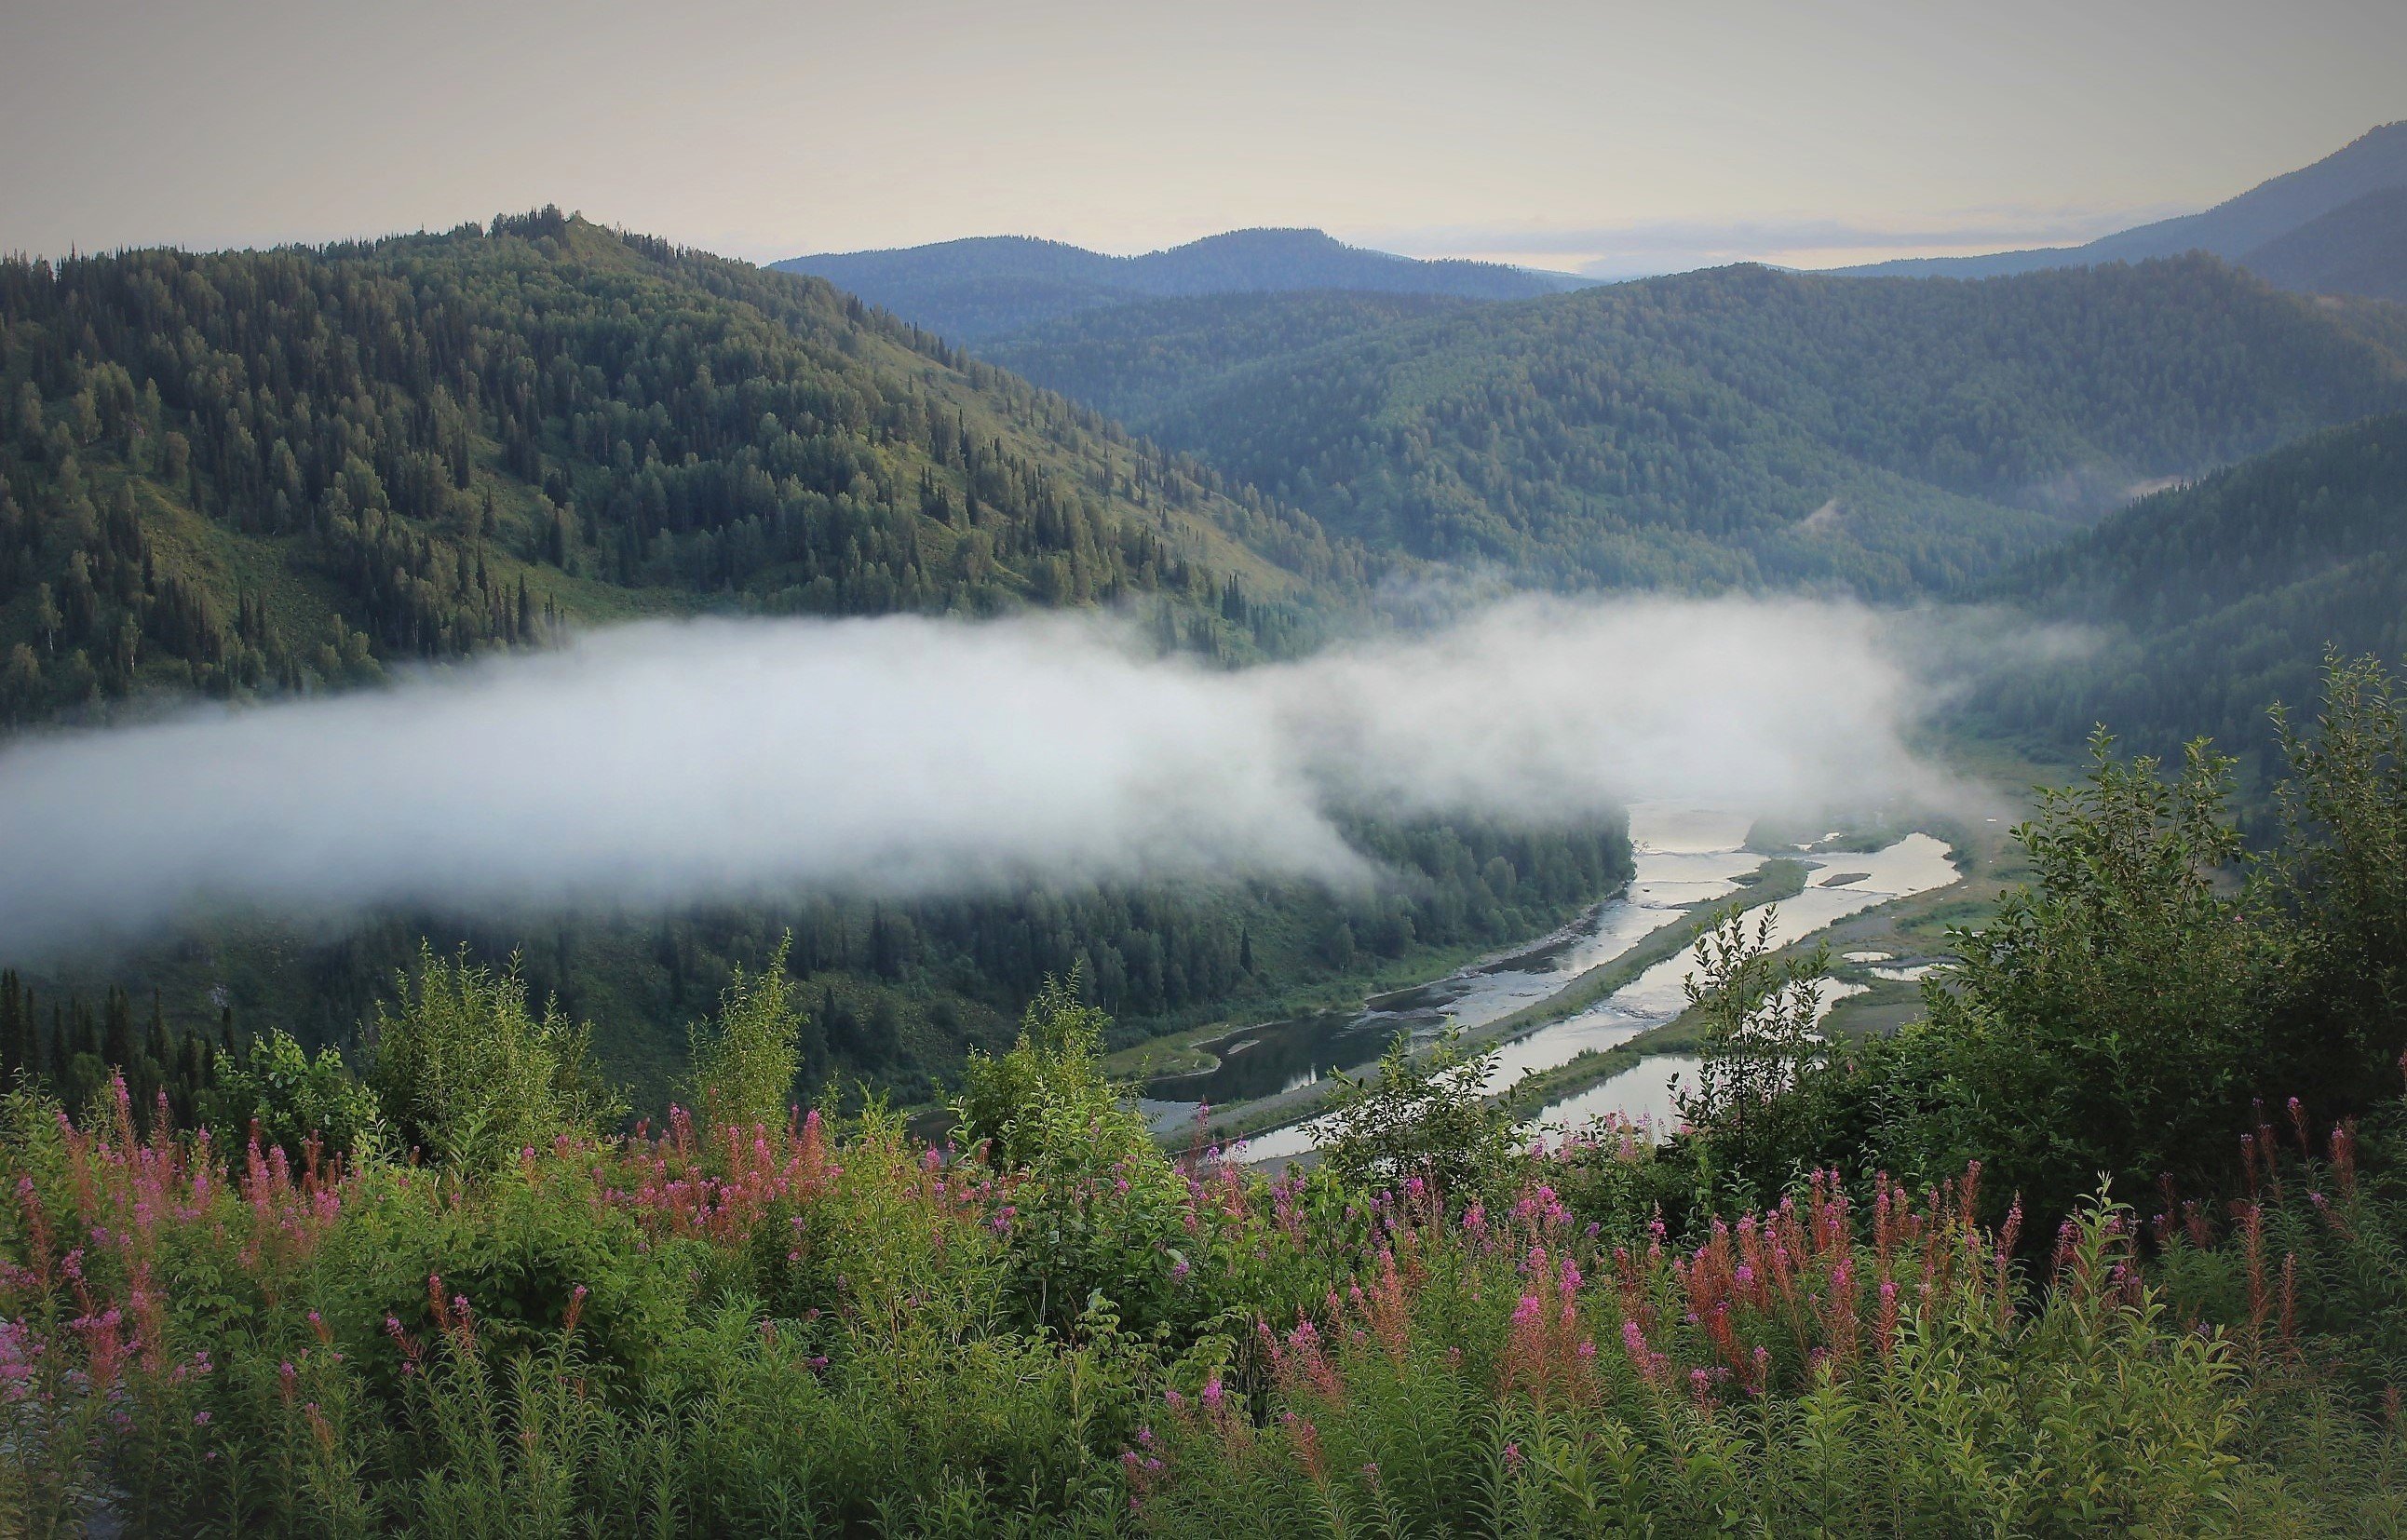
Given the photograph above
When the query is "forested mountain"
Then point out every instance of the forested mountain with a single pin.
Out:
(255, 470)
(2359, 248)
(2212, 599)
(895, 992)
(1740, 425)
(970, 291)
(2231, 230)
(1133, 361)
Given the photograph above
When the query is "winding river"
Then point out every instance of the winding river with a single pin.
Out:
(1685, 857)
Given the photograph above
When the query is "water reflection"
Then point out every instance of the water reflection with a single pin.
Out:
(1685, 857)
(1642, 1093)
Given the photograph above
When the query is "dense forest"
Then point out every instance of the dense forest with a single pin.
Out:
(897, 991)
(1743, 426)
(2109, 1246)
(1129, 360)
(251, 473)
(2204, 602)
(2359, 248)
(263, 470)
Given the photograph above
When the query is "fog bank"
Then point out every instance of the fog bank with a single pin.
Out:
(662, 763)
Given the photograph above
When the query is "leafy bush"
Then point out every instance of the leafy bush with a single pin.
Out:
(291, 1096)
(1102, 1218)
(469, 1075)
(1421, 1118)
(2119, 1014)
(744, 1066)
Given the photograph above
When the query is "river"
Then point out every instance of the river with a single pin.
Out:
(1684, 857)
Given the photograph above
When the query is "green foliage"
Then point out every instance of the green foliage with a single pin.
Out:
(1757, 1015)
(2111, 1018)
(2210, 600)
(1101, 1211)
(252, 471)
(810, 1329)
(1741, 425)
(745, 1066)
(2341, 872)
(1008, 1105)
(291, 1096)
(1421, 1118)
(2119, 1015)
(2093, 1415)
(466, 1073)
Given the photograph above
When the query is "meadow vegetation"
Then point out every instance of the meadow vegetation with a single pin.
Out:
(2110, 1245)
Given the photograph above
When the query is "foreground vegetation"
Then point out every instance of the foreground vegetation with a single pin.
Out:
(444, 1298)
(896, 991)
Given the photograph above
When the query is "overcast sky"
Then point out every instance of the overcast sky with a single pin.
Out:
(1566, 134)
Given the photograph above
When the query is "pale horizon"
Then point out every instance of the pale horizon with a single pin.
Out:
(1550, 135)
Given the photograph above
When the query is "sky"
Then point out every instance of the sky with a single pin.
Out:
(1588, 135)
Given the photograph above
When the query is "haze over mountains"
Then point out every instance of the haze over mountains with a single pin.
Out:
(1733, 426)
(253, 474)
(2269, 222)
(2331, 227)
(979, 287)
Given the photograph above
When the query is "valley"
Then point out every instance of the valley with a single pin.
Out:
(1519, 771)
(1572, 1012)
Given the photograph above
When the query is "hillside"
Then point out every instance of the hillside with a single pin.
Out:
(246, 474)
(256, 470)
(2373, 162)
(1866, 1288)
(1737, 426)
(2359, 248)
(970, 291)
(2214, 599)
(1135, 361)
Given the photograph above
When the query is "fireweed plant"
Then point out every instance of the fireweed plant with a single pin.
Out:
(342, 1319)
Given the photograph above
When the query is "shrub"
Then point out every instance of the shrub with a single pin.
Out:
(1421, 1117)
(469, 1076)
(1100, 1216)
(744, 1065)
(291, 1096)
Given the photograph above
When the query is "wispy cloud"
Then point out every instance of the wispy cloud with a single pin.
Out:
(662, 765)
(1642, 247)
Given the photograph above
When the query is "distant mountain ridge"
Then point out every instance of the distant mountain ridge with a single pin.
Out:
(2234, 230)
(1734, 426)
(990, 285)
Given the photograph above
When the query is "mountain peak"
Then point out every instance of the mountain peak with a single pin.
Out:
(2373, 161)
(992, 285)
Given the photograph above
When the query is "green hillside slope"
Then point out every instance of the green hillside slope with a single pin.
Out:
(1142, 360)
(2359, 248)
(1743, 425)
(268, 469)
(248, 473)
(2214, 599)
